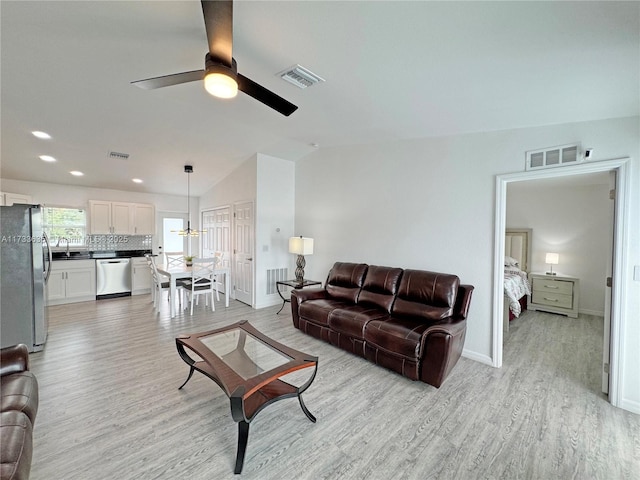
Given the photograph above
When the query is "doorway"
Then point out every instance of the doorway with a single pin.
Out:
(620, 167)
(169, 224)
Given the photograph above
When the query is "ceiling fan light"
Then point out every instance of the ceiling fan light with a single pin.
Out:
(220, 85)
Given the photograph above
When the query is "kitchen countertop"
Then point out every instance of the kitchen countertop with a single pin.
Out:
(91, 255)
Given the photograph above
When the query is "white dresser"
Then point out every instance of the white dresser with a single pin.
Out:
(554, 293)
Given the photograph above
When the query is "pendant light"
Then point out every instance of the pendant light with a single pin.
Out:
(189, 232)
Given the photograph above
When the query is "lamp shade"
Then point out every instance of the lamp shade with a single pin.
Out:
(552, 258)
(301, 245)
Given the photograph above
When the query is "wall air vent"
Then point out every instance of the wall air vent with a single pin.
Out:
(552, 157)
(300, 76)
(118, 155)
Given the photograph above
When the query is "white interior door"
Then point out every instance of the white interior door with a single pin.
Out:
(243, 252)
(607, 296)
(216, 224)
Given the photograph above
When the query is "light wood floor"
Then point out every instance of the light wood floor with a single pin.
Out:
(110, 407)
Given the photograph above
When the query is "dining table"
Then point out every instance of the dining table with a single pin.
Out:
(176, 272)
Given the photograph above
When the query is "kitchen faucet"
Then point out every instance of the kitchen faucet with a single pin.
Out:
(67, 240)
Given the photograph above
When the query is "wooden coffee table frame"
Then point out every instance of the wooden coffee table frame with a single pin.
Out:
(247, 396)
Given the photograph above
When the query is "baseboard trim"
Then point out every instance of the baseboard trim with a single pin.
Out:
(269, 303)
(630, 405)
(478, 357)
(595, 313)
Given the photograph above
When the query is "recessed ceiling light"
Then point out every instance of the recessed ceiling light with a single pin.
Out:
(47, 158)
(76, 173)
(43, 135)
(136, 180)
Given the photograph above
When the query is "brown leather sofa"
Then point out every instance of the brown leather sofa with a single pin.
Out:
(19, 405)
(410, 321)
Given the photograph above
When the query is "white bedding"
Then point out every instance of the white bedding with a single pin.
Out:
(516, 285)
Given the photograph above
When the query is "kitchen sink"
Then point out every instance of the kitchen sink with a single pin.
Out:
(72, 256)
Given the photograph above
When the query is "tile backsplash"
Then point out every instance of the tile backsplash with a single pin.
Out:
(119, 242)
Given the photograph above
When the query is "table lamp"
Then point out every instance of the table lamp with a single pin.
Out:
(300, 246)
(552, 259)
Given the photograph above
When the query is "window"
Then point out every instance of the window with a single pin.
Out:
(68, 224)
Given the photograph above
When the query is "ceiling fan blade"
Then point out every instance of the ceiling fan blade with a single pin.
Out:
(218, 22)
(168, 80)
(265, 96)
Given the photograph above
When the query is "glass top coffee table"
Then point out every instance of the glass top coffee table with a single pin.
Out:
(247, 365)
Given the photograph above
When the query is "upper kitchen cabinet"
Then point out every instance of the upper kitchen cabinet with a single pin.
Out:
(11, 198)
(144, 219)
(110, 218)
(121, 218)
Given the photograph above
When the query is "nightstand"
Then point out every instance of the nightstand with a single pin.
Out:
(554, 293)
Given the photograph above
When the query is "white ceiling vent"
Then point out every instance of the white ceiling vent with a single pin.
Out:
(553, 157)
(118, 155)
(300, 76)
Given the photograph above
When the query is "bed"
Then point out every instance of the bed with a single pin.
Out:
(517, 250)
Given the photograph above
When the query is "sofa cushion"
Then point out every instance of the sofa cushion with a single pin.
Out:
(401, 336)
(19, 392)
(380, 286)
(352, 320)
(425, 296)
(318, 311)
(17, 445)
(345, 280)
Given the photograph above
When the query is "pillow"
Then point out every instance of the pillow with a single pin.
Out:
(510, 262)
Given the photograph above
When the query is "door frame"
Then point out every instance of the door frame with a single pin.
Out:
(618, 293)
(160, 216)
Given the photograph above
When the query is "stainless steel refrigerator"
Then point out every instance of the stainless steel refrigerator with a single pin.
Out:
(25, 264)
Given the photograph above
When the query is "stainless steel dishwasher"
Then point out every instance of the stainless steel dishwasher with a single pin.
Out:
(113, 278)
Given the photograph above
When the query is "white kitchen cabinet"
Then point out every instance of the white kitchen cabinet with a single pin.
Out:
(121, 218)
(11, 198)
(144, 219)
(140, 276)
(110, 218)
(71, 281)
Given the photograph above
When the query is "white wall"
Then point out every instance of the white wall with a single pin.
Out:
(430, 204)
(268, 182)
(275, 206)
(238, 186)
(574, 221)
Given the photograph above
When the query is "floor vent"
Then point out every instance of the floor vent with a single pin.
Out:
(275, 275)
(118, 155)
(300, 76)
(554, 157)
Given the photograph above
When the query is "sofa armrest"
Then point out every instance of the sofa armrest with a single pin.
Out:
(441, 347)
(463, 300)
(299, 296)
(308, 294)
(14, 359)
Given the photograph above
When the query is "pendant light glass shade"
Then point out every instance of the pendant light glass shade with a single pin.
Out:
(188, 232)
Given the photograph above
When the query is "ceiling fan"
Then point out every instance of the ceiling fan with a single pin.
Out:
(221, 77)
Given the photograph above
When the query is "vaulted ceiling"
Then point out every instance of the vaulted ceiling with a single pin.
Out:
(393, 70)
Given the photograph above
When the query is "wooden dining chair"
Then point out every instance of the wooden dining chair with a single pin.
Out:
(174, 259)
(151, 261)
(202, 281)
(162, 284)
